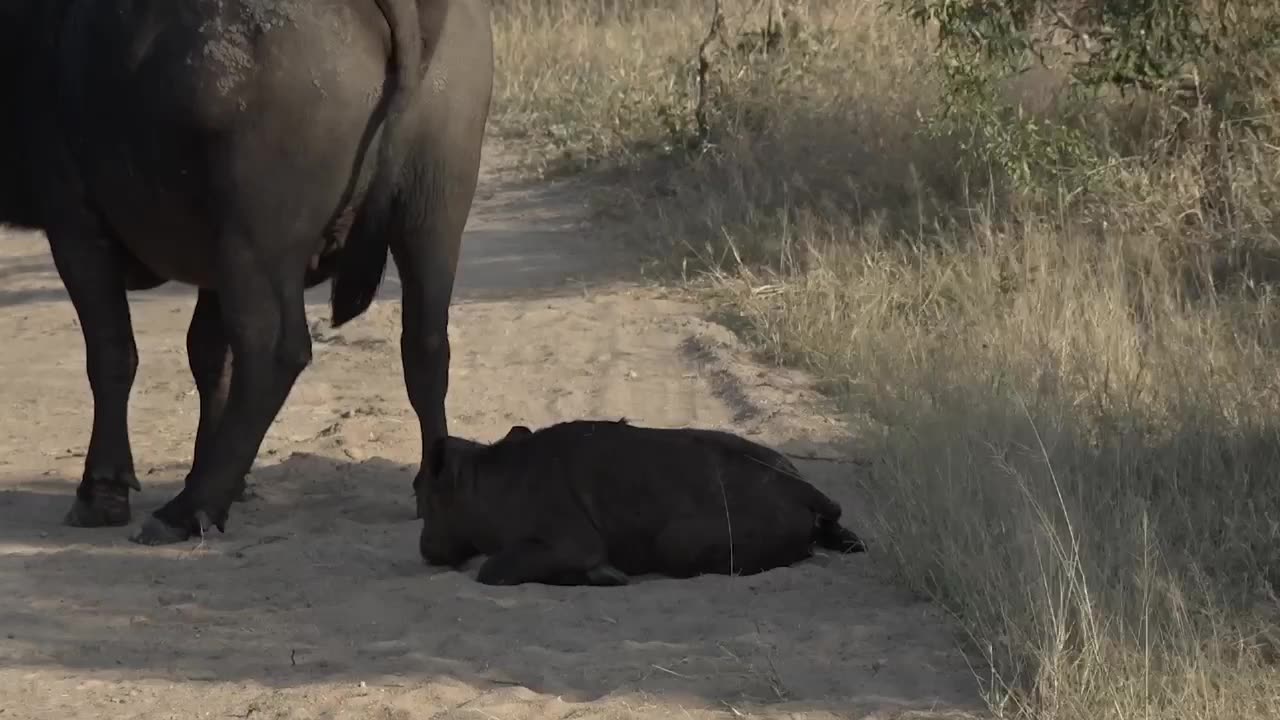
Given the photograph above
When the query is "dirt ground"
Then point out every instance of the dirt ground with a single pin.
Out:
(315, 603)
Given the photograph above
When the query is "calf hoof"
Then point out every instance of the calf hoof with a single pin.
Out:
(606, 576)
(833, 536)
(851, 543)
(102, 503)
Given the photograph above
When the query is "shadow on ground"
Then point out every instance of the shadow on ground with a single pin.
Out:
(319, 579)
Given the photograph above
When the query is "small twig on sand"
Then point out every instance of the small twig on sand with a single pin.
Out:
(199, 546)
(728, 521)
(775, 678)
(265, 540)
(671, 672)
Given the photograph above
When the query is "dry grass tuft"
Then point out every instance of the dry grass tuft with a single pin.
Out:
(1072, 396)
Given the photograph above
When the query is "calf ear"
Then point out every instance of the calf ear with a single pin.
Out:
(517, 431)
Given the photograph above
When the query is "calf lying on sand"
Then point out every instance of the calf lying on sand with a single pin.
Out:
(591, 502)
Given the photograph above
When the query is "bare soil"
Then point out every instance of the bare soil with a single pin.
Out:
(315, 603)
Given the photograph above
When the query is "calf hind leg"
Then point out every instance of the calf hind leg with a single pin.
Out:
(425, 251)
(688, 547)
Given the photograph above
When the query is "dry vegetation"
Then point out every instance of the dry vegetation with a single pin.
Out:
(1068, 373)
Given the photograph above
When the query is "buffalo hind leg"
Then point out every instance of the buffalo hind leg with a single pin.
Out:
(93, 274)
(266, 324)
(426, 254)
(209, 357)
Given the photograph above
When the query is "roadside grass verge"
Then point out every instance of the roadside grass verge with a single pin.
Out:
(1071, 395)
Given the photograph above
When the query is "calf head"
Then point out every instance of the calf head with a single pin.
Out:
(453, 467)
(445, 497)
(516, 431)
(450, 466)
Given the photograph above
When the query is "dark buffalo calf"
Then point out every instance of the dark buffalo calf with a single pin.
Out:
(591, 502)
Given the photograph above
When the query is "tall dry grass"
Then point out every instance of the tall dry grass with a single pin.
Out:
(1072, 397)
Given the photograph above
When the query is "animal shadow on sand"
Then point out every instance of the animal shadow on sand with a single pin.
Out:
(319, 579)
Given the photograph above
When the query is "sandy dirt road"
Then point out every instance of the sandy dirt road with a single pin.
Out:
(315, 604)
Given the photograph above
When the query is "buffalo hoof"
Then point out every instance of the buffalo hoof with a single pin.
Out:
(101, 504)
(244, 492)
(155, 531)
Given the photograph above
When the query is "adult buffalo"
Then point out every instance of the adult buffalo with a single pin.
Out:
(253, 149)
(590, 502)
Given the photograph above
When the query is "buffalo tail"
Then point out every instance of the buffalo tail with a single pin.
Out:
(364, 256)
